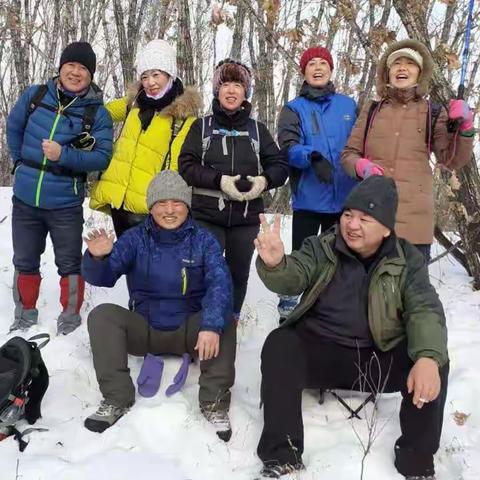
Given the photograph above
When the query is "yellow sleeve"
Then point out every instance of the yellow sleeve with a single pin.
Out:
(117, 109)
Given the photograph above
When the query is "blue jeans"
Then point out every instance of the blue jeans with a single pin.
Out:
(30, 226)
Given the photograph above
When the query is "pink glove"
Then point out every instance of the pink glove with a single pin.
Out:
(365, 168)
(459, 110)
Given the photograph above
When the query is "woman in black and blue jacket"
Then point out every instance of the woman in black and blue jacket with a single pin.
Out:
(312, 131)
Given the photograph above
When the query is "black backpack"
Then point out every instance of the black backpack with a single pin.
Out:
(23, 383)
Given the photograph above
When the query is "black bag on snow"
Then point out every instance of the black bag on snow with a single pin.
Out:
(23, 383)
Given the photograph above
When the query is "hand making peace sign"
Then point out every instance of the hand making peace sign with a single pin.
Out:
(268, 242)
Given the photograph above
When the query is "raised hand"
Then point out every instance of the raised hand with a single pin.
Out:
(99, 242)
(268, 242)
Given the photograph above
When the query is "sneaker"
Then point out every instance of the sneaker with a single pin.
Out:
(274, 469)
(421, 477)
(220, 421)
(104, 417)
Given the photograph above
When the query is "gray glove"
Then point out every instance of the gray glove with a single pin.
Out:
(227, 184)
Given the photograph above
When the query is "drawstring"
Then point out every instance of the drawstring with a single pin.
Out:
(224, 145)
(246, 209)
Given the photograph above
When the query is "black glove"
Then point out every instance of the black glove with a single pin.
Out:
(243, 185)
(322, 168)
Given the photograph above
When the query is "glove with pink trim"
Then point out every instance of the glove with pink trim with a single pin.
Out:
(365, 168)
(460, 111)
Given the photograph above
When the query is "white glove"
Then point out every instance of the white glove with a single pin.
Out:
(259, 184)
(227, 184)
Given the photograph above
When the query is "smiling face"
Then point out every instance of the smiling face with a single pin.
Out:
(169, 214)
(74, 77)
(154, 81)
(231, 95)
(317, 72)
(361, 232)
(403, 73)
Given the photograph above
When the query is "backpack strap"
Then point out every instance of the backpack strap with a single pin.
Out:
(370, 117)
(207, 131)
(40, 336)
(434, 110)
(88, 119)
(254, 135)
(175, 127)
(37, 98)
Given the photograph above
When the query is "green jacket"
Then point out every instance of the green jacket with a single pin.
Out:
(401, 300)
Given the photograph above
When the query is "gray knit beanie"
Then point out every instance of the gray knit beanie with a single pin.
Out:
(168, 185)
(376, 196)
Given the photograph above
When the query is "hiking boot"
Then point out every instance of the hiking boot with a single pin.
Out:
(274, 469)
(421, 477)
(220, 421)
(104, 417)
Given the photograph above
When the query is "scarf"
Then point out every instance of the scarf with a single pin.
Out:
(149, 106)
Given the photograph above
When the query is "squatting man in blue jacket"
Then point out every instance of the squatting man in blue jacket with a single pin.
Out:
(180, 304)
(56, 133)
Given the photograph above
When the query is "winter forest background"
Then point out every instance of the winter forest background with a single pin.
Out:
(269, 35)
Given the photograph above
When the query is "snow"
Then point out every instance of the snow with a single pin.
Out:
(168, 438)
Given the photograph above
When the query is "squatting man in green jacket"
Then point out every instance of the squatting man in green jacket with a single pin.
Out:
(368, 311)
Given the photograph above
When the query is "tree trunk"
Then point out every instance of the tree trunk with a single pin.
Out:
(185, 65)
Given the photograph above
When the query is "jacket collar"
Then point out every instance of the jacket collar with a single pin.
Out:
(165, 236)
(236, 119)
(189, 104)
(93, 95)
(317, 94)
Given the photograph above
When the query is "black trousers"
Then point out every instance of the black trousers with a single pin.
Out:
(305, 224)
(123, 220)
(293, 360)
(237, 243)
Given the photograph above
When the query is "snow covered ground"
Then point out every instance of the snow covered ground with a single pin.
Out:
(168, 439)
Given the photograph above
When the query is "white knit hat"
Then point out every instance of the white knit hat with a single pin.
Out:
(405, 52)
(157, 55)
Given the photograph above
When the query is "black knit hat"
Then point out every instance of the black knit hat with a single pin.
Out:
(377, 196)
(81, 52)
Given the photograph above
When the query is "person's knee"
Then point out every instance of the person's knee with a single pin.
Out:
(103, 315)
(280, 346)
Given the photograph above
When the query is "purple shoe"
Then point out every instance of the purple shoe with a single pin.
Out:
(150, 376)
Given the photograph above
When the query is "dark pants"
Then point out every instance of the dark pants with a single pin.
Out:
(305, 224)
(293, 360)
(116, 332)
(237, 242)
(425, 251)
(123, 220)
(30, 226)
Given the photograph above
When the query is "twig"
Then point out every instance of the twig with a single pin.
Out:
(3, 219)
(446, 252)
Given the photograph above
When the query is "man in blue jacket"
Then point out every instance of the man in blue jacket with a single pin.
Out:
(56, 134)
(180, 303)
(312, 131)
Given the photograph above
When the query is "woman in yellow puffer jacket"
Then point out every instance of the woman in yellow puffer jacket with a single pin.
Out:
(158, 113)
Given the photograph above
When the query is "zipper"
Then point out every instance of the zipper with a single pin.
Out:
(75, 189)
(231, 170)
(184, 281)
(60, 111)
(332, 164)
